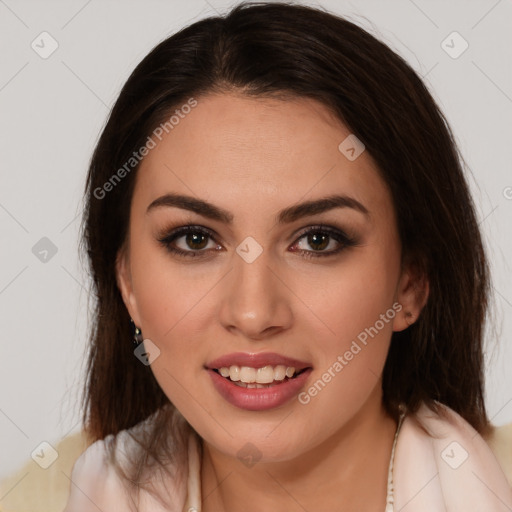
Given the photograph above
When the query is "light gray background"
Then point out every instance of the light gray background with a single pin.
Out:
(52, 111)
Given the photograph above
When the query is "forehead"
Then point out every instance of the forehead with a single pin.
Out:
(258, 152)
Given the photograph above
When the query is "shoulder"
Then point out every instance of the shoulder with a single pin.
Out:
(96, 484)
(442, 461)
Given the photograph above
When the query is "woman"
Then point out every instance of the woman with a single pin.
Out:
(277, 209)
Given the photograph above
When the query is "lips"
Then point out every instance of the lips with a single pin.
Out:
(254, 399)
(256, 361)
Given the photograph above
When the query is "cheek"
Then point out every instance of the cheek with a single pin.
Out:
(174, 311)
(345, 299)
(357, 313)
(176, 302)
(169, 293)
(354, 314)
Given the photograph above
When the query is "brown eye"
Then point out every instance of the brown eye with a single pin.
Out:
(319, 238)
(191, 241)
(196, 241)
(318, 241)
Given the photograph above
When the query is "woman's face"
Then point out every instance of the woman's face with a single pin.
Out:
(252, 281)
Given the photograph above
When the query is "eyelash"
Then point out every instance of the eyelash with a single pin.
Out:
(339, 236)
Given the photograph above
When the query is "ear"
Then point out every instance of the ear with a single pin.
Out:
(124, 283)
(412, 294)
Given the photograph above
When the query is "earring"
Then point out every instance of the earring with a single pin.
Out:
(408, 317)
(137, 333)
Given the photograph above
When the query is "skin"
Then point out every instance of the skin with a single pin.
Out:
(254, 157)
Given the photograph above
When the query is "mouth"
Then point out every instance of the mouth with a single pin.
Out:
(258, 378)
(258, 381)
(259, 389)
(258, 370)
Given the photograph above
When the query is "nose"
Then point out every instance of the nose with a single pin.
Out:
(255, 302)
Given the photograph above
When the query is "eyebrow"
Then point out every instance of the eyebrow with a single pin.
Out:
(287, 215)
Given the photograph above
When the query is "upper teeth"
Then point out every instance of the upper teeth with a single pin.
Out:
(264, 375)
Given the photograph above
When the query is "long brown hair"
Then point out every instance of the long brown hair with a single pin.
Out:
(296, 51)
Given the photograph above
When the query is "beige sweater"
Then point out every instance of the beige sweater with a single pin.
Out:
(33, 489)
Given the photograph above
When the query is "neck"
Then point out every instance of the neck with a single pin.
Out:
(336, 475)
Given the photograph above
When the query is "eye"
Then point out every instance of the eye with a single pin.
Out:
(194, 240)
(319, 238)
